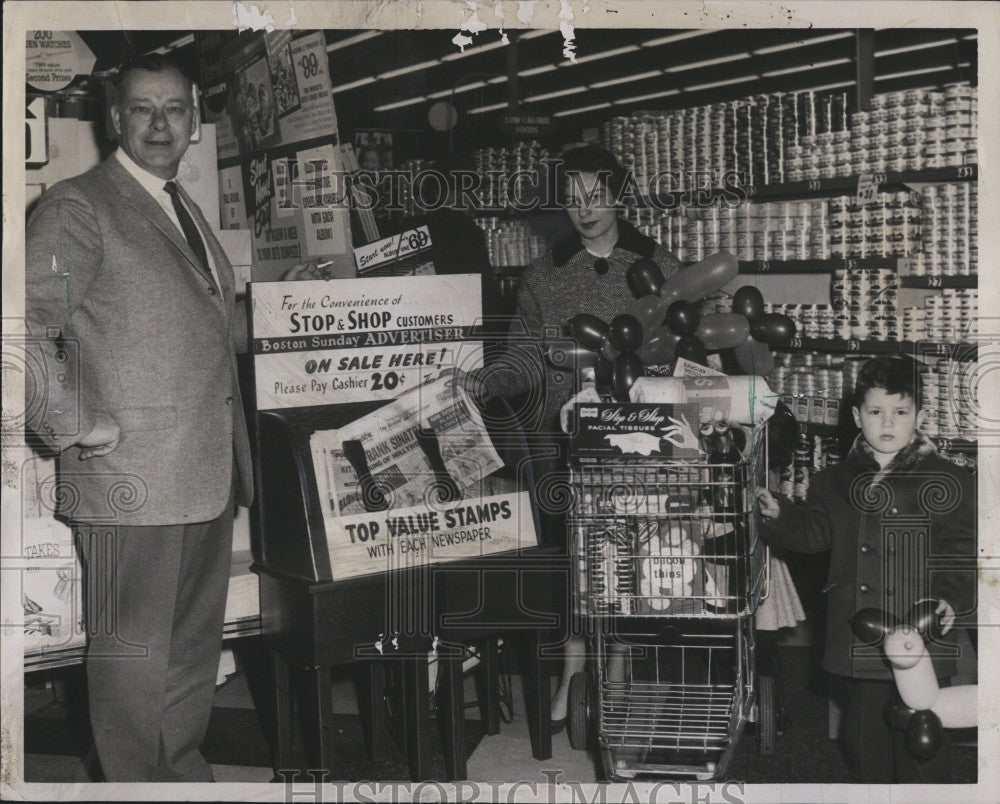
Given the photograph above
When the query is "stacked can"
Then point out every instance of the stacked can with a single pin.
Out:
(864, 303)
(890, 225)
(811, 320)
(810, 384)
(510, 243)
(961, 124)
(951, 226)
(950, 315)
(496, 166)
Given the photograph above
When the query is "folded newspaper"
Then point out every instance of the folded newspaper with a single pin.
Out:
(408, 445)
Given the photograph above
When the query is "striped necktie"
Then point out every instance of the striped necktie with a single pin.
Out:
(191, 233)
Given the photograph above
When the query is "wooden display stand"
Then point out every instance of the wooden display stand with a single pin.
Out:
(314, 617)
(314, 623)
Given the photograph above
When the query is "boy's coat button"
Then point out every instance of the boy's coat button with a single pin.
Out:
(865, 587)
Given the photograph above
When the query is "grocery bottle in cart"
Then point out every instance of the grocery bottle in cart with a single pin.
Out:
(726, 495)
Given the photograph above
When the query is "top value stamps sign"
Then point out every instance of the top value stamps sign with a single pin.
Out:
(331, 342)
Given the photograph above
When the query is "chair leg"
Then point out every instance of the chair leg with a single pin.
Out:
(451, 712)
(537, 703)
(416, 716)
(487, 677)
(369, 681)
(317, 715)
(280, 740)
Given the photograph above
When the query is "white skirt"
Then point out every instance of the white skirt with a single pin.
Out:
(782, 607)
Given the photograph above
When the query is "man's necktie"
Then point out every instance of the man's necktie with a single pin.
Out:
(191, 232)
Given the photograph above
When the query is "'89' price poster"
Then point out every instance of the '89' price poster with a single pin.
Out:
(332, 342)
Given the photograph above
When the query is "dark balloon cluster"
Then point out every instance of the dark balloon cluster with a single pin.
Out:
(664, 324)
(922, 727)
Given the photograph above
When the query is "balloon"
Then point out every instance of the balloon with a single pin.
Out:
(649, 311)
(698, 280)
(912, 668)
(773, 328)
(958, 707)
(923, 734)
(897, 714)
(628, 367)
(691, 348)
(925, 620)
(588, 330)
(723, 330)
(658, 347)
(644, 277)
(603, 376)
(608, 350)
(871, 626)
(570, 356)
(754, 357)
(625, 333)
(683, 317)
(748, 301)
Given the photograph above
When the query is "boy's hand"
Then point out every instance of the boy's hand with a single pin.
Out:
(766, 504)
(946, 616)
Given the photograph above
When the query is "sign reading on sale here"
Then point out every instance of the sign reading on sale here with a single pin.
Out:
(330, 342)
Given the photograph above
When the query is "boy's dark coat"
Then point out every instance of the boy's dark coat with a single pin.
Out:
(895, 536)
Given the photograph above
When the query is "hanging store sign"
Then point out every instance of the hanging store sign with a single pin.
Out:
(526, 125)
(55, 58)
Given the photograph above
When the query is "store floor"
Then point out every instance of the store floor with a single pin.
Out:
(56, 738)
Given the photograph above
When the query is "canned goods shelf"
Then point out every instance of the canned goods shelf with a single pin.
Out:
(849, 184)
(957, 351)
(814, 266)
(957, 281)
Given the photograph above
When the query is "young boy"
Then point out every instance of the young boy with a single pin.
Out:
(900, 524)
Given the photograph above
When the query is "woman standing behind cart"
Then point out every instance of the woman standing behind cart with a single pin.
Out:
(585, 273)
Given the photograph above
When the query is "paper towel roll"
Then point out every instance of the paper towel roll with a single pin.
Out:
(741, 399)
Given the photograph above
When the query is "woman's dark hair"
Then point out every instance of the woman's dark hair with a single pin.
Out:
(590, 159)
(894, 375)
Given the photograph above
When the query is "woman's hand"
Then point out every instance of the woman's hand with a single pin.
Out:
(313, 269)
(767, 504)
(946, 614)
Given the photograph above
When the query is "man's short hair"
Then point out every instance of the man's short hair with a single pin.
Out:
(151, 63)
(894, 375)
(594, 159)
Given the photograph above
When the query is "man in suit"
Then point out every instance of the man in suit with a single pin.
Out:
(124, 276)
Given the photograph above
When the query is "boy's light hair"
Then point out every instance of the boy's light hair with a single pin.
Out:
(894, 375)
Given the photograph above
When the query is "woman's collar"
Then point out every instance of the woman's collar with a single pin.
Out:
(629, 238)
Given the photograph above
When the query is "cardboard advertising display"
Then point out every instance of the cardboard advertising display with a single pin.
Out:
(281, 172)
(417, 480)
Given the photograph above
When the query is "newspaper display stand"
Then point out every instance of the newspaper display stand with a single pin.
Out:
(322, 605)
(668, 573)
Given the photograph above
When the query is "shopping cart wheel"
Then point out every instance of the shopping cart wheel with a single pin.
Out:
(579, 710)
(766, 715)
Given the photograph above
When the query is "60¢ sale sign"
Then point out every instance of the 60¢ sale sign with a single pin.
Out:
(330, 342)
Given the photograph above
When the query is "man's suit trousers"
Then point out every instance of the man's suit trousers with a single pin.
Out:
(154, 600)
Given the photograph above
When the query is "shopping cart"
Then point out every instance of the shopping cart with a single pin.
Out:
(669, 574)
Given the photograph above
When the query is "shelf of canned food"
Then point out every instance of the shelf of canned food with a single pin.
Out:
(957, 351)
(848, 184)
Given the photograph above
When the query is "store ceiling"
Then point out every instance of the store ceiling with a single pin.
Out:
(389, 79)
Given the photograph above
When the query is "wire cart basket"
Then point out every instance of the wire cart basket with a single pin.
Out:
(669, 574)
